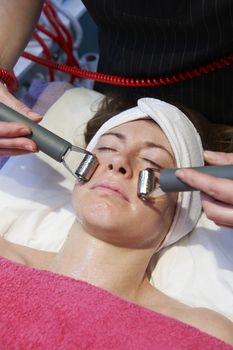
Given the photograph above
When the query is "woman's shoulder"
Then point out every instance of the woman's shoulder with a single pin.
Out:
(212, 323)
(25, 255)
(206, 320)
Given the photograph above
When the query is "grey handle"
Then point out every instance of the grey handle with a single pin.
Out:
(170, 183)
(49, 143)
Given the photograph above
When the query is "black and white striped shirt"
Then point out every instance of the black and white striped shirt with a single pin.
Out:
(149, 38)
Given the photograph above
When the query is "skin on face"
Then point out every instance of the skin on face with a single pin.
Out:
(108, 206)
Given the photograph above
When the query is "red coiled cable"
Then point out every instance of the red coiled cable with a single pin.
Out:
(139, 82)
(10, 80)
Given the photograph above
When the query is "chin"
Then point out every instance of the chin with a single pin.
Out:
(103, 221)
(98, 215)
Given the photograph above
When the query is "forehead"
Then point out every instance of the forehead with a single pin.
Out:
(142, 130)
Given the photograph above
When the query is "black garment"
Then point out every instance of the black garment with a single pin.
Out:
(149, 38)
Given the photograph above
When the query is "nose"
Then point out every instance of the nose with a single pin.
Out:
(120, 164)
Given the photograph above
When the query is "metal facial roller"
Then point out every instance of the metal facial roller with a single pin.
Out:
(53, 145)
(152, 185)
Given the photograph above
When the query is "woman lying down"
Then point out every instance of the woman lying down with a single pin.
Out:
(95, 293)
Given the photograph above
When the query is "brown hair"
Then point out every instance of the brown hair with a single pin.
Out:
(215, 137)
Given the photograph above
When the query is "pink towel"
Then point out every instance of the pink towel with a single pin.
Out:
(43, 310)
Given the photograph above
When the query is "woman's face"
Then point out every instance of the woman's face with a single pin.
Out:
(108, 206)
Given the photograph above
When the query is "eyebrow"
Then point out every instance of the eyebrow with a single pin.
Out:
(146, 144)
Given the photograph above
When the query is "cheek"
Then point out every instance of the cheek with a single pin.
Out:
(75, 197)
(169, 208)
(82, 202)
(153, 220)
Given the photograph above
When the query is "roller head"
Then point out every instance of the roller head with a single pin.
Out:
(87, 167)
(146, 183)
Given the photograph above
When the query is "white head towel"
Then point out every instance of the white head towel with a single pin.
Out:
(186, 145)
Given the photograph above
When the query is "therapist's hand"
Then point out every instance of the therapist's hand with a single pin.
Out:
(12, 140)
(216, 193)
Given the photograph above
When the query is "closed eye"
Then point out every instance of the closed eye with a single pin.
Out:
(151, 162)
(107, 149)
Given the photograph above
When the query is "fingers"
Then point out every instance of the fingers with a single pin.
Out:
(220, 213)
(218, 158)
(13, 129)
(15, 144)
(12, 140)
(216, 195)
(218, 188)
(14, 103)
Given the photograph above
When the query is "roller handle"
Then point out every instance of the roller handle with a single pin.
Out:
(47, 142)
(168, 181)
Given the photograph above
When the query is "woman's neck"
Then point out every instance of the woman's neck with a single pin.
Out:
(117, 269)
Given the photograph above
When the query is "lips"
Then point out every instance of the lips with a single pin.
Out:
(111, 187)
